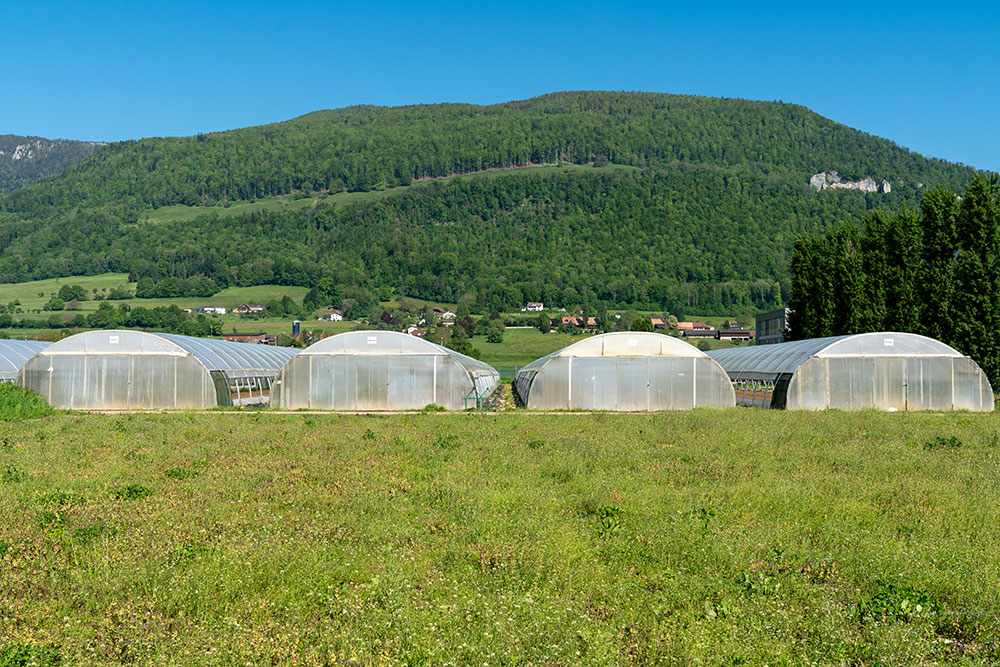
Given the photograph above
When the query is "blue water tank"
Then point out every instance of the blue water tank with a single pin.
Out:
(295, 327)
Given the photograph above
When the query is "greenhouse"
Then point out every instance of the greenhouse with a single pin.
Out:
(122, 370)
(886, 371)
(382, 370)
(13, 354)
(624, 371)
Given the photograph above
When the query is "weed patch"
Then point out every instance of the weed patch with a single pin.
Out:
(446, 442)
(131, 492)
(20, 403)
(898, 603)
(11, 474)
(941, 442)
(26, 655)
(180, 473)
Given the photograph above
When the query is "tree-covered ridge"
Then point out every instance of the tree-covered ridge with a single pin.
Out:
(364, 147)
(682, 238)
(27, 160)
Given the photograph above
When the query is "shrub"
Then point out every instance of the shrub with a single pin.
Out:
(20, 403)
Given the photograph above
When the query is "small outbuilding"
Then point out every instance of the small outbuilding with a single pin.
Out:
(124, 370)
(381, 370)
(14, 354)
(624, 371)
(885, 371)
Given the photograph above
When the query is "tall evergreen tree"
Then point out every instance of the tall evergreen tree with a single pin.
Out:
(873, 266)
(977, 319)
(936, 285)
(903, 243)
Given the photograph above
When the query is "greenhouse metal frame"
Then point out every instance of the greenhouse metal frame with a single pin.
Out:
(627, 371)
(123, 370)
(382, 370)
(883, 370)
(15, 353)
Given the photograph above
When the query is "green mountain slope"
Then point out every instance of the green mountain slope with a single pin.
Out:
(704, 223)
(27, 160)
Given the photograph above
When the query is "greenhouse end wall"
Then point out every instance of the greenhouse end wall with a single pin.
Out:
(380, 370)
(625, 372)
(890, 383)
(119, 381)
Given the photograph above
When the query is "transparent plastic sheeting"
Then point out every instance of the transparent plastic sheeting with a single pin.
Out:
(884, 370)
(624, 371)
(381, 370)
(13, 354)
(114, 370)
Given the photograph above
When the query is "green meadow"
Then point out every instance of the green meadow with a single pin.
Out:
(707, 537)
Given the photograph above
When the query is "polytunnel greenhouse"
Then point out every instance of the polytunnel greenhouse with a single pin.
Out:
(382, 370)
(111, 370)
(624, 371)
(13, 354)
(886, 371)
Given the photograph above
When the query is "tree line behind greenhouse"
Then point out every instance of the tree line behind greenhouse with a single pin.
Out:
(935, 271)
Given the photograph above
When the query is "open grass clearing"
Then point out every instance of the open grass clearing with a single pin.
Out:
(292, 202)
(703, 537)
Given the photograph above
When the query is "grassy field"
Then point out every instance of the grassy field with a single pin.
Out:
(707, 537)
(521, 346)
(231, 297)
(297, 202)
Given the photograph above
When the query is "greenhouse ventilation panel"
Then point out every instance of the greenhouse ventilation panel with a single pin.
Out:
(624, 371)
(885, 371)
(124, 370)
(382, 370)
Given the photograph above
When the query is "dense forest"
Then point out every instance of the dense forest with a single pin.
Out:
(686, 240)
(703, 222)
(27, 160)
(935, 271)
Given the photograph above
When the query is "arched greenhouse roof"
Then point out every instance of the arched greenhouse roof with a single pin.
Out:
(234, 359)
(382, 343)
(760, 361)
(14, 353)
(623, 344)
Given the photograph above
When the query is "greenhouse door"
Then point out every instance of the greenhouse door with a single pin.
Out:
(890, 383)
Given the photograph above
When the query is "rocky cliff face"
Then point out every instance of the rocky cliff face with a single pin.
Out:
(833, 181)
(26, 160)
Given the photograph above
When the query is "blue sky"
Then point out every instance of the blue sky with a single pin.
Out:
(927, 78)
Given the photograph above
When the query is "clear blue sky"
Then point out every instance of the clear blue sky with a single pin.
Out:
(927, 78)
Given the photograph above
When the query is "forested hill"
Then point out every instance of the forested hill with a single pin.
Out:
(364, 148)
(27, 160)
(697, 214)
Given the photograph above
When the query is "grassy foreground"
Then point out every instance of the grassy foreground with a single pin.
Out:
(709, 537)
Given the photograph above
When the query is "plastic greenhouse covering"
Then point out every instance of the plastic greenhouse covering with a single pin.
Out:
(382, 370)
(13, 355)
(883, 370)
(118, 369)
(624, 371)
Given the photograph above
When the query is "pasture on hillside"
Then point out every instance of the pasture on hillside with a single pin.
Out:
(704, 537)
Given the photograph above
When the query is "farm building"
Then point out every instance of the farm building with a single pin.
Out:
(13, 354)
(886, 371)
(381, 370)
(108, 370)
(624, 371)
